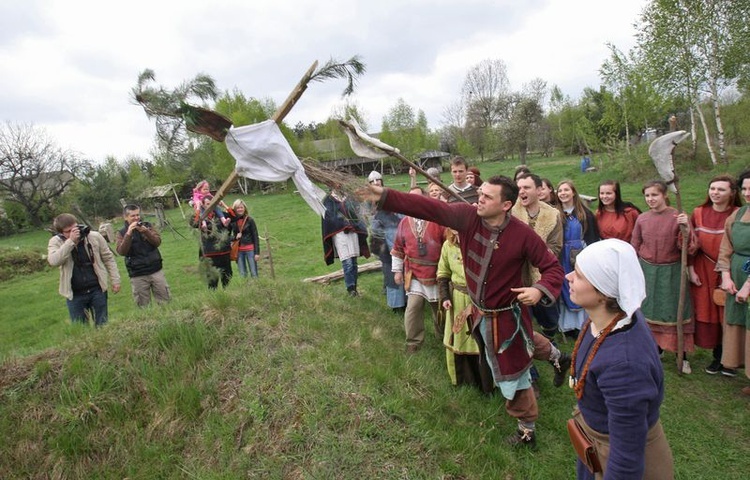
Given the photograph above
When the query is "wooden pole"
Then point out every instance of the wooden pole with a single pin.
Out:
(403, 159)
(270, 256)
(277, 117)
(429, 177)
(177, 199)
(683, 281)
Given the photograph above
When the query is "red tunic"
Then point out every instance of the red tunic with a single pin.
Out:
(494, 260)
(420, 265)
(614, 225)
(708, 225)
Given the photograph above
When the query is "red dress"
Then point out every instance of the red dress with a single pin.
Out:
(708, 225)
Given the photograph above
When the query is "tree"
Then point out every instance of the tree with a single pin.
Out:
(695, 48)
(101, 189)
(399, 128)
(34, 171)
(487, 96)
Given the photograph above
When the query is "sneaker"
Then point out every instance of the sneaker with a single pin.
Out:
(729, 372)
(686, 367)
(523, 437)
(714, 368)
(562, 366)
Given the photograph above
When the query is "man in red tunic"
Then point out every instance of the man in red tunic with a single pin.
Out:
(495, 249)
(415, 256)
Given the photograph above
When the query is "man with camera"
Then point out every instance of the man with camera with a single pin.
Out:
(87, 265)
(139, 243)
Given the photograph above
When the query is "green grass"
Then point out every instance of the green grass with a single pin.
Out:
(285, 379)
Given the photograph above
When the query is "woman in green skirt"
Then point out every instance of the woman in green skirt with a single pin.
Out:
(734, 254)
(657, 241)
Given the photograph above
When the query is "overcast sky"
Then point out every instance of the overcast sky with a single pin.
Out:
(69, 65)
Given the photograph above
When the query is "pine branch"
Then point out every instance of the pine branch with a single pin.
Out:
(351, 70)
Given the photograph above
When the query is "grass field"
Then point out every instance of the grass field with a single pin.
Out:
(285, 379)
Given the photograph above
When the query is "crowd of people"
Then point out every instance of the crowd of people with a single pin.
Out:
(487, 258)
(517, 250)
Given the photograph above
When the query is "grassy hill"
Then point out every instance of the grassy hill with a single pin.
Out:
(285, 379)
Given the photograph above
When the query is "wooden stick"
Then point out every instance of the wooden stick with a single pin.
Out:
(277, 117)
(270, 256)
(413, 165)
(429, 177)
(375, 266)
(683, 281)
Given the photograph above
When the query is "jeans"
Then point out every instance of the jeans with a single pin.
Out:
(246, 262)
(94, 301)
(350, 272)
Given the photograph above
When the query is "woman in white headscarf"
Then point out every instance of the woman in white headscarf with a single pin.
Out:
(616, 372)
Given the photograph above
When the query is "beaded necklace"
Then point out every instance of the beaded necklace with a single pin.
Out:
(578, 384)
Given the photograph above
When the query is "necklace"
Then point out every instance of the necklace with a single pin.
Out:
(577, 384)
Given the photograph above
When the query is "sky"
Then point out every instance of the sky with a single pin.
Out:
(68, 66)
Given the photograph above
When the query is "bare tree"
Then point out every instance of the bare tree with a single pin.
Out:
(485, 92)
(33, 170)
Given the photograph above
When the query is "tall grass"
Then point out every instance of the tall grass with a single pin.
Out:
(285, 379)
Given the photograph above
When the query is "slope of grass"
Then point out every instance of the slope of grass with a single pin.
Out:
(284, 379)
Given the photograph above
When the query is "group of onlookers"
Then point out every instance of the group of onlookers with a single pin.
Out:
(88, 266)
(622, 271)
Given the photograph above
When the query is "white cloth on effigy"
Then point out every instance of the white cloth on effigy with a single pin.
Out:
(262, 153)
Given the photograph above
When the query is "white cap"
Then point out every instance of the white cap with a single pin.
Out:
(374, 175)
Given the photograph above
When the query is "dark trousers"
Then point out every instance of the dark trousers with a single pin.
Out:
(94, 301)
(547, 318)
(223, 265)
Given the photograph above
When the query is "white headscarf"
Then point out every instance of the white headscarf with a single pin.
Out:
(612, 268)
(374, 175)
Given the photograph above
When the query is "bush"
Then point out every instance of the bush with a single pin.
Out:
(7, 227)
(15, 262)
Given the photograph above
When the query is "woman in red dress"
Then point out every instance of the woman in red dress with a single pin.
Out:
(708, 222)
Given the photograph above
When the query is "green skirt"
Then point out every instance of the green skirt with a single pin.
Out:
(736, 313)
(663, 294)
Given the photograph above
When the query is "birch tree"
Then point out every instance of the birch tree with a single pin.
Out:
(697, 48)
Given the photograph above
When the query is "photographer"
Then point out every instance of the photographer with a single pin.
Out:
(139, 243)
(86, 267)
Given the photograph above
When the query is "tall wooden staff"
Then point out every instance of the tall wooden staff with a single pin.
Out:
(661, 151)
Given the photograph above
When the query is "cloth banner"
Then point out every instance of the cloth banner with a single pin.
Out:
(262, 153)
(362, 143)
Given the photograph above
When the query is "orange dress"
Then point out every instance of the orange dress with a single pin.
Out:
(614, 225)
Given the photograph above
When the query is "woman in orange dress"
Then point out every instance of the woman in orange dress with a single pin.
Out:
(614, 217)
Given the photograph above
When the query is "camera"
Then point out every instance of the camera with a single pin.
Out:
(83, 229)
(139, 224)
